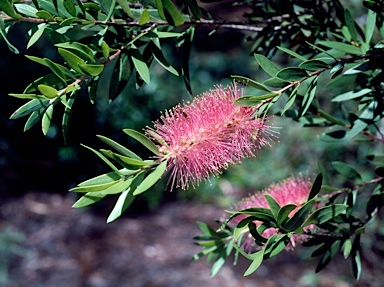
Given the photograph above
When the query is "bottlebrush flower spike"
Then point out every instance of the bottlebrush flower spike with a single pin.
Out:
(289, 191)
(205, 136)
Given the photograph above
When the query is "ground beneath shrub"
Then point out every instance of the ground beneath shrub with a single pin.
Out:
(69, 247)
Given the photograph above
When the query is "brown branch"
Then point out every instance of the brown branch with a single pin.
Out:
(237, 25)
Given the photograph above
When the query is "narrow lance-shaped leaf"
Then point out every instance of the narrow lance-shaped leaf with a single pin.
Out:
(221, 259)
(250, 101)
(68, 114)
(72, 60)
(47, 118)
(140, 65)
(316, 187)
(299, 217)
(323, 214)
(151, 179)
(257, 260)
(3, 34)
(267, 65)
(346, 170)
(118, 147)
(48, 91)
(94, 188)
(29, 107)
(125, 199)
(292, 74)
(88, 199)
(36, 36)
(33, 119)
(144, 140)
(107, 161)
(252, 83)
(273, 205)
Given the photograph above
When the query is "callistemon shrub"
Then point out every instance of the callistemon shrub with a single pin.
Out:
(201, 138)
(293, 190)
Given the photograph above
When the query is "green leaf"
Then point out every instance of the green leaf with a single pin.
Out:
(27, 96)
(299, 217)
(275, 83)
(292, 53)
(107, 161)
(194, 7)
(356, 265)
(314, 65)
(329, 254)
(237, 232)
(370, 26)
(125, 6)
(132, 163)
(50, 64)
(350, 22)
(7, 8)
(81, 50)
(92, 70)
(273, 205)
(42, 14)
(48, 91)
(250, 101)
(351, 95)
(144, 17)
(123, 202)
(275, 245)
(220, 260)
(267, 65)
(140, 65)
(3, 34)
(291, 99)
(57, 69)
(186, 44)
(251, 83)
(283, 213)
(47, 118)
(106, 178)
(347, 248)
(346, 170)
(159, 57)
(316, 187)
(26, 10)
(323, 214)
(88, 199)
(68, 114)
(105, 49)
(362, 122)
(29, 107)
(169, 12)
(151, 179)
(72, 60)
(36, 36)
(94, 188)
(70, 7)
(257, 260)
(346, 48)
(292, 74)
(309, 96)
(145, 141)
(118, 147)
(33, 119)
(110, 9)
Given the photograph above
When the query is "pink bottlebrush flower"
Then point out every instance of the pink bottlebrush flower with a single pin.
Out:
(205, 136)
(289, 191)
